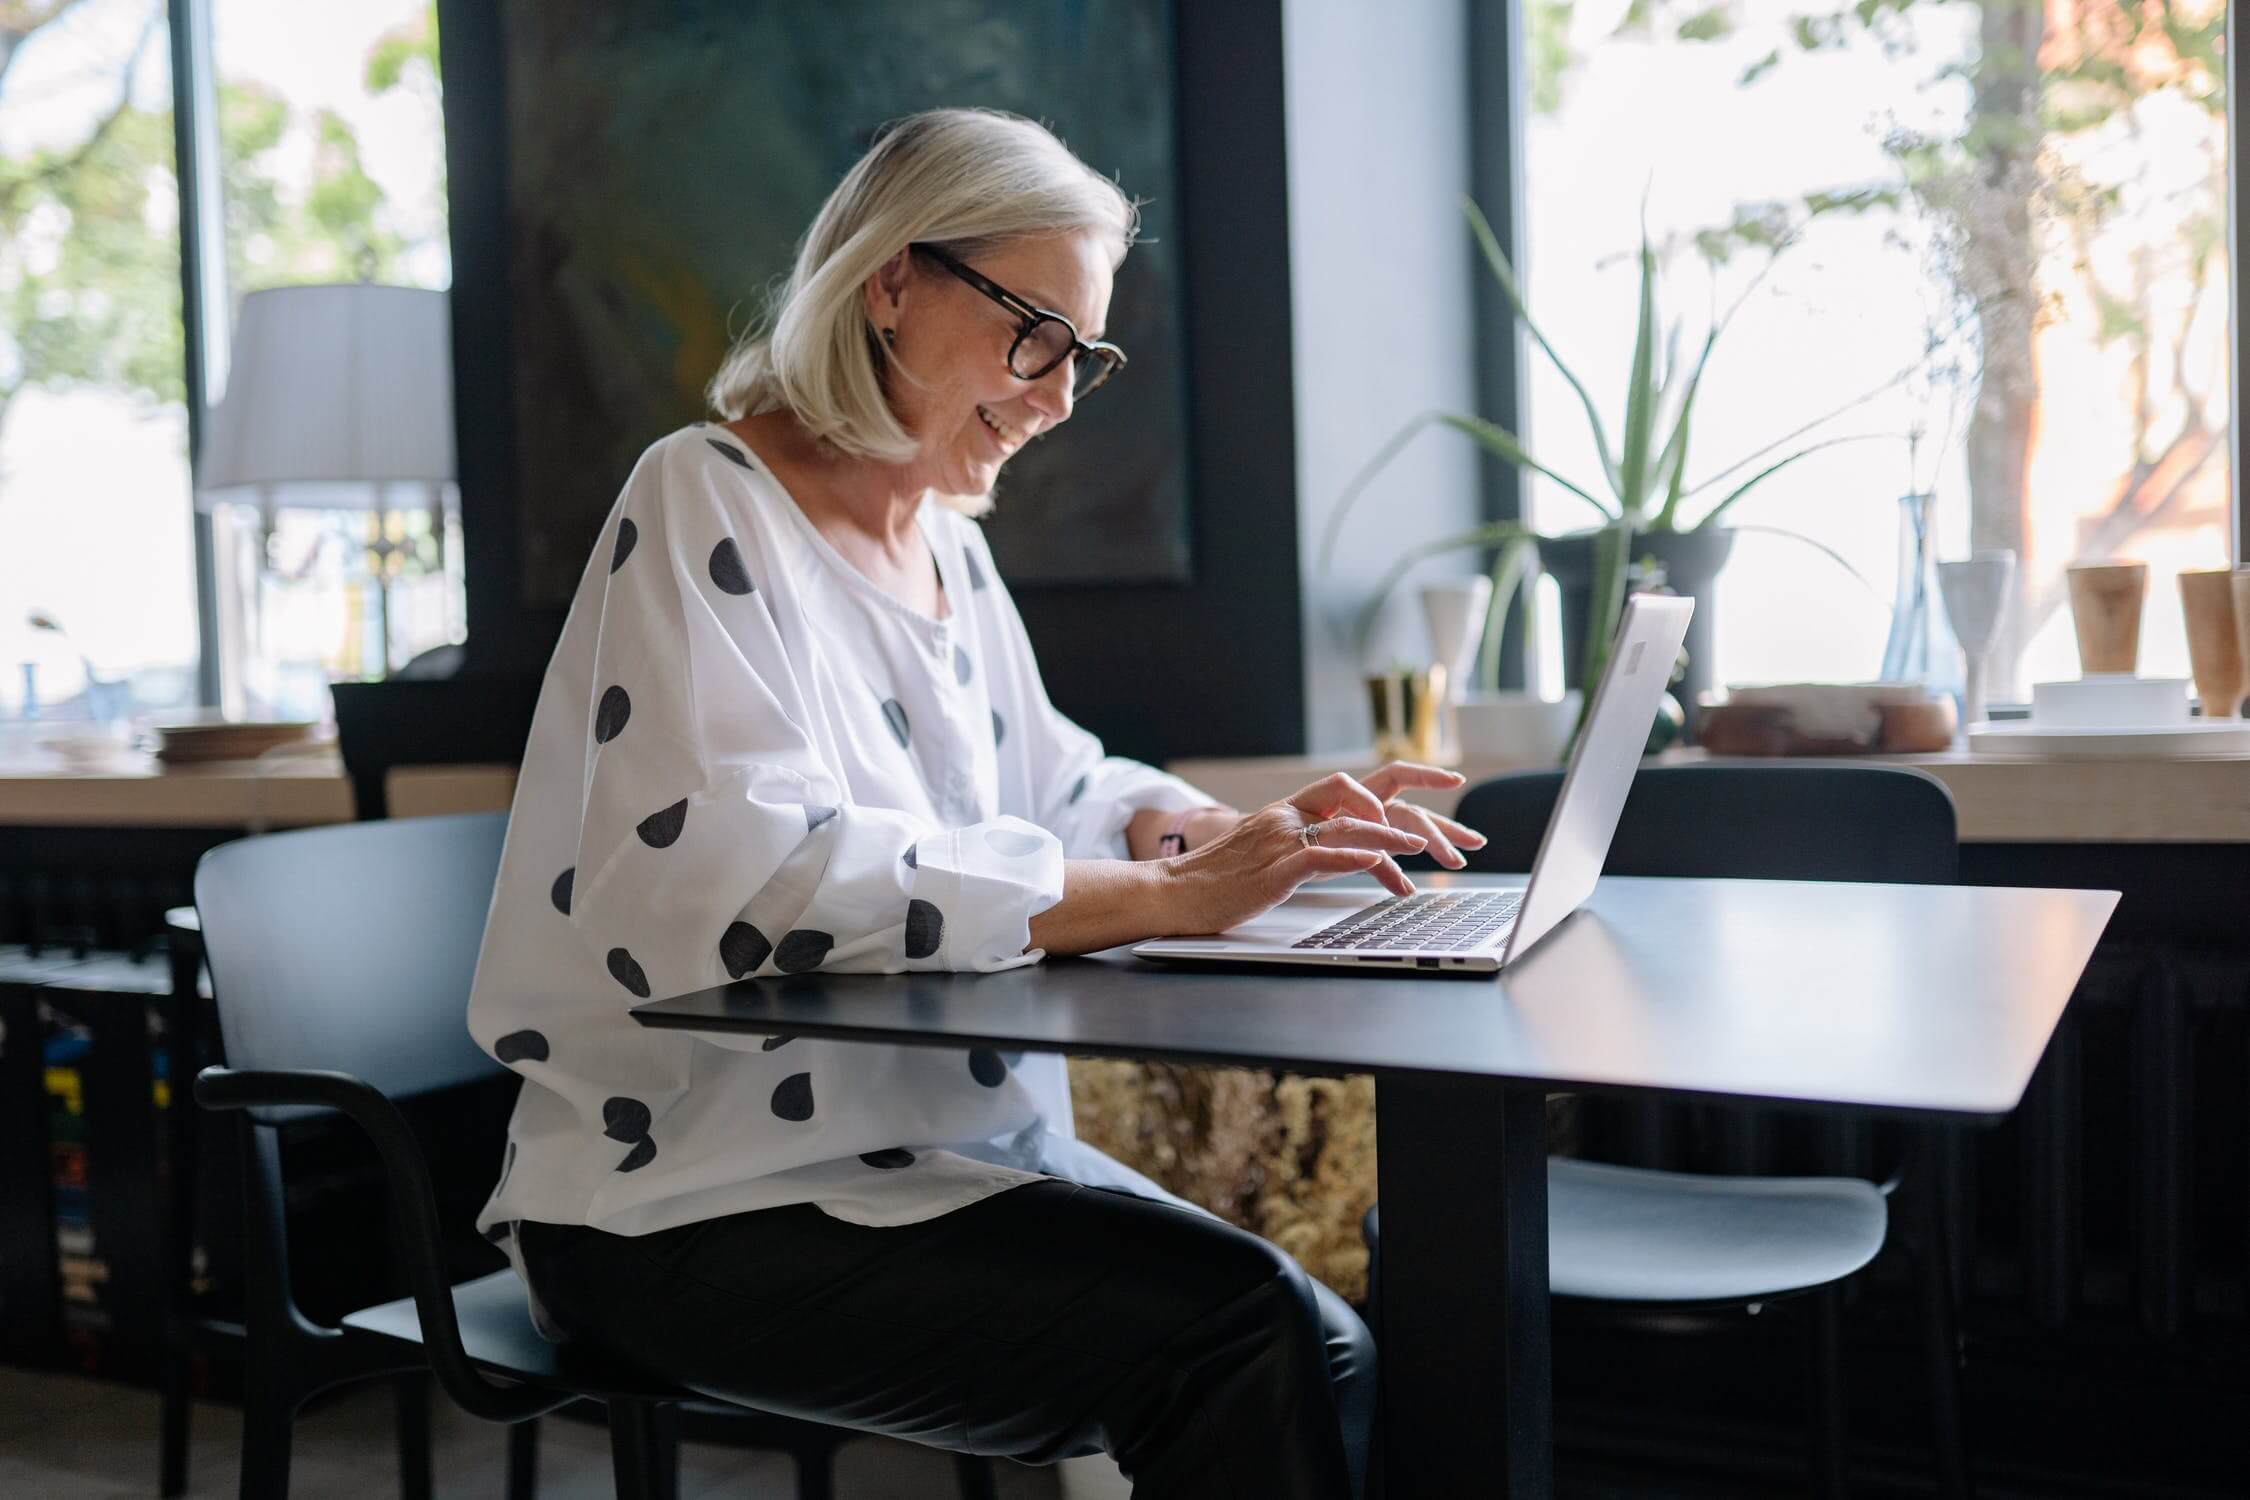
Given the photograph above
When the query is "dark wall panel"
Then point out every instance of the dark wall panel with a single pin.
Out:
(1211, 666)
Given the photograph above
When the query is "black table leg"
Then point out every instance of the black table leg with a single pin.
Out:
(1468, 1384)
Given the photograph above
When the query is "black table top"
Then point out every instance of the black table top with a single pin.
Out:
(1883, 997)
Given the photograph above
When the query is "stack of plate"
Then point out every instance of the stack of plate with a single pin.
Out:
(193, 741)
(2111, 717)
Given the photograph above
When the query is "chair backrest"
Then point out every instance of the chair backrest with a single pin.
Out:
(1749, 822)
(448, 721)
(351, 948)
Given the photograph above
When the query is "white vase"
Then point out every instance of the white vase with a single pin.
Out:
(1455, 609)
(1516, 729)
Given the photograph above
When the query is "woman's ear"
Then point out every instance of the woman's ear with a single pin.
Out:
(883, 290)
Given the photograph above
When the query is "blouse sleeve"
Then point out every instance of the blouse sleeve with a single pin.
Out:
(1084, 796)
(714, 843)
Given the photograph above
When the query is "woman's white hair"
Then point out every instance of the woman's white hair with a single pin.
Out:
(962, 179)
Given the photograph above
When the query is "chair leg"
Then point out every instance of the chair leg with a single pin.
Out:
(523, 1460)
(632, 1449)
(816, 1472)
(1827, 1387)
(973, 1473)
(1931, 1251)
(413, 1393)
(664, 1456)
(269, 1418)
(1941, 1348)
(178, 1406)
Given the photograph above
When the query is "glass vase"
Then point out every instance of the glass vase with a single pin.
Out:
(1906, 651)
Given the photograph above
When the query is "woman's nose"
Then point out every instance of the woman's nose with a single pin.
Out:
(1050, 394)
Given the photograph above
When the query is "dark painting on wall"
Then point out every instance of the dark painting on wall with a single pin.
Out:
(665, 157)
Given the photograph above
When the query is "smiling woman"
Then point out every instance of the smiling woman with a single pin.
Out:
(794, 726)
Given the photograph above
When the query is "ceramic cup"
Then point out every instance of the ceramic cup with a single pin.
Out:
(2214, 638)
(2105, 608)
(2242, 621)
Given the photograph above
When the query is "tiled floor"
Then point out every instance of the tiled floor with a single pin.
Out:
(65, 1438)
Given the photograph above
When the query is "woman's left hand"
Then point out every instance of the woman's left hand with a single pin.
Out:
(1447, 837)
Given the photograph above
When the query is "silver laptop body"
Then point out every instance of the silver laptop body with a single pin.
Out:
(1483, 923)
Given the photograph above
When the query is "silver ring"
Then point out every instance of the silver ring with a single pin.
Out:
(1309, 835)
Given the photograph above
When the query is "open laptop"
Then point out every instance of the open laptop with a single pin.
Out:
(1481, 924)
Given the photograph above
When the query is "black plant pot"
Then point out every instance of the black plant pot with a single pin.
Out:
(1691, 561)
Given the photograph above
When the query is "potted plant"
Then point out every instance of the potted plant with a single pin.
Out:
(1644, 510)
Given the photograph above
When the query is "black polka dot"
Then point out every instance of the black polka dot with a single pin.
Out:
(912, 859)
(792, 1097)
(999, 727)
(1078, 789)
(986, 1068)
(643, 1152)
(730, 452)
(894, 714)
(662, 830)
(727, 570)
(609, 719)
(627, 973)
(802, 949)
(743, 948)
(895, 1157)
(559, 892)
(520, 1046)
(1012, 843)
(500, 1231)
(962, 670)
(925, 929)
(816, 814)
(624, 1119)
(627, 535)
(772, 1042)
(976, 573)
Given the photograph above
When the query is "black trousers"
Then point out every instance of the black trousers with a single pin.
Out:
(1044, 1322)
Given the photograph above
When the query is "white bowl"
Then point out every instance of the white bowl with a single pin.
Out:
(2109, 700)
(1516, 728)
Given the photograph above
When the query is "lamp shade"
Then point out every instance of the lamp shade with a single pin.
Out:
(333, 390)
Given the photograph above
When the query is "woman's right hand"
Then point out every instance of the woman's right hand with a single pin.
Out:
(1255, 866)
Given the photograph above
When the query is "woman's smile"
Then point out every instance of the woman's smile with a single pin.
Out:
(1005, 437)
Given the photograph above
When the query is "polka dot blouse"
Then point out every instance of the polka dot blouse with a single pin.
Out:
(748, 760)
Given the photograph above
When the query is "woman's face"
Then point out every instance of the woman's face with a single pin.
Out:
(951, 385)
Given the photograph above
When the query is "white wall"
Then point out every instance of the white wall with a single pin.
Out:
(1380, 261)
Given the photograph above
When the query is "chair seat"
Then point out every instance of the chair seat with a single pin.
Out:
(497, 1332)
(1631, 1234)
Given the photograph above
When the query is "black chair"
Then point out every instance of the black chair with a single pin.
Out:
(341, 960)
(407, 721)
(1670, 1242)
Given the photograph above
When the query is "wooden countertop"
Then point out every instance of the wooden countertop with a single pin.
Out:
(296, 788)
(1999, 799)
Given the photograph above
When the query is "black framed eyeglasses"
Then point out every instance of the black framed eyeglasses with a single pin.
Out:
(1045, 340)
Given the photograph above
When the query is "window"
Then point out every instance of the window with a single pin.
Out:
(97, 565)
(330, 168)
(1980, 249)
(331, 132)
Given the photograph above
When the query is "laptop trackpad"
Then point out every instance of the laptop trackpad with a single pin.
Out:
(1306, 911)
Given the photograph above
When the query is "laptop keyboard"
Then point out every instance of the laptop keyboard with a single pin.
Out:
(1427, 921)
